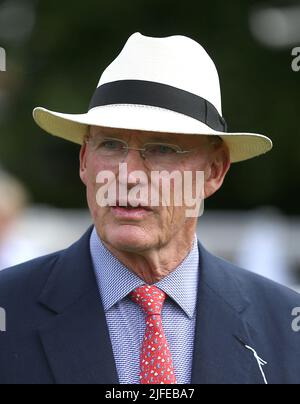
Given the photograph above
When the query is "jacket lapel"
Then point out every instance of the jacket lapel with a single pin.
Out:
(76, 341)
(222, 331)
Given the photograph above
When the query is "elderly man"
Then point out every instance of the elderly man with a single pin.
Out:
(138, 299)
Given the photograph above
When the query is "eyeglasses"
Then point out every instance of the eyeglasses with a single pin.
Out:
(157, 155)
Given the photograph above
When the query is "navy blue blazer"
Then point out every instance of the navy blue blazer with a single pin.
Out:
(57, 333)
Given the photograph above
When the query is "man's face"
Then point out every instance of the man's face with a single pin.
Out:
(141, 230)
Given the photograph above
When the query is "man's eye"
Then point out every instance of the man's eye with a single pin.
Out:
(111, 145)
(161, 149)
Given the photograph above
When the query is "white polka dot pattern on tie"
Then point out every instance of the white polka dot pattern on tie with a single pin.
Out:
(156, 363)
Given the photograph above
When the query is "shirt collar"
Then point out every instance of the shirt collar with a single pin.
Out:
(116, 281)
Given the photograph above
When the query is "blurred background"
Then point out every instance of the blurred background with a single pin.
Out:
(54, 55)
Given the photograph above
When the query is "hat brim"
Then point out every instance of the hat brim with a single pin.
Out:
(73, 127)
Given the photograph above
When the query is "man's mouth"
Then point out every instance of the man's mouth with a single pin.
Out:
(131, 212)
(132, 206)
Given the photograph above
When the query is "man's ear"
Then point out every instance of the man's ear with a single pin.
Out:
(218, 167)
(83, 163)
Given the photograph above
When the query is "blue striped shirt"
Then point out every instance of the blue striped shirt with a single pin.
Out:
(126, 320)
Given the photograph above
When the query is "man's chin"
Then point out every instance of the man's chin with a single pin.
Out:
(129, 238)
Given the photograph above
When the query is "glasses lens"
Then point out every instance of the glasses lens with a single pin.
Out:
(109, 147)
(161, 154)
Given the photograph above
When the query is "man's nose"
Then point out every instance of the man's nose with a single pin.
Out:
(134, 160)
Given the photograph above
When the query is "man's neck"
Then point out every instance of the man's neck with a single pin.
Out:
(154, 265)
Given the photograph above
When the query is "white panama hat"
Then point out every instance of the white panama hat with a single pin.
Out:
(167, 85)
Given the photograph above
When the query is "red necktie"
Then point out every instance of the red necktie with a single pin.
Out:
(156, 364)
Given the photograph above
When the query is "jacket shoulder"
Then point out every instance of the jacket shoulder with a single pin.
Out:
(27, 277)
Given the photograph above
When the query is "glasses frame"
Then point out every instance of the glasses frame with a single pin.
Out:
(142, 150)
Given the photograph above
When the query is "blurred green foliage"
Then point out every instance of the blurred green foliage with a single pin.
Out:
(72, 42)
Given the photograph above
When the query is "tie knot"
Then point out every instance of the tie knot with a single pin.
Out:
(150, 298)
